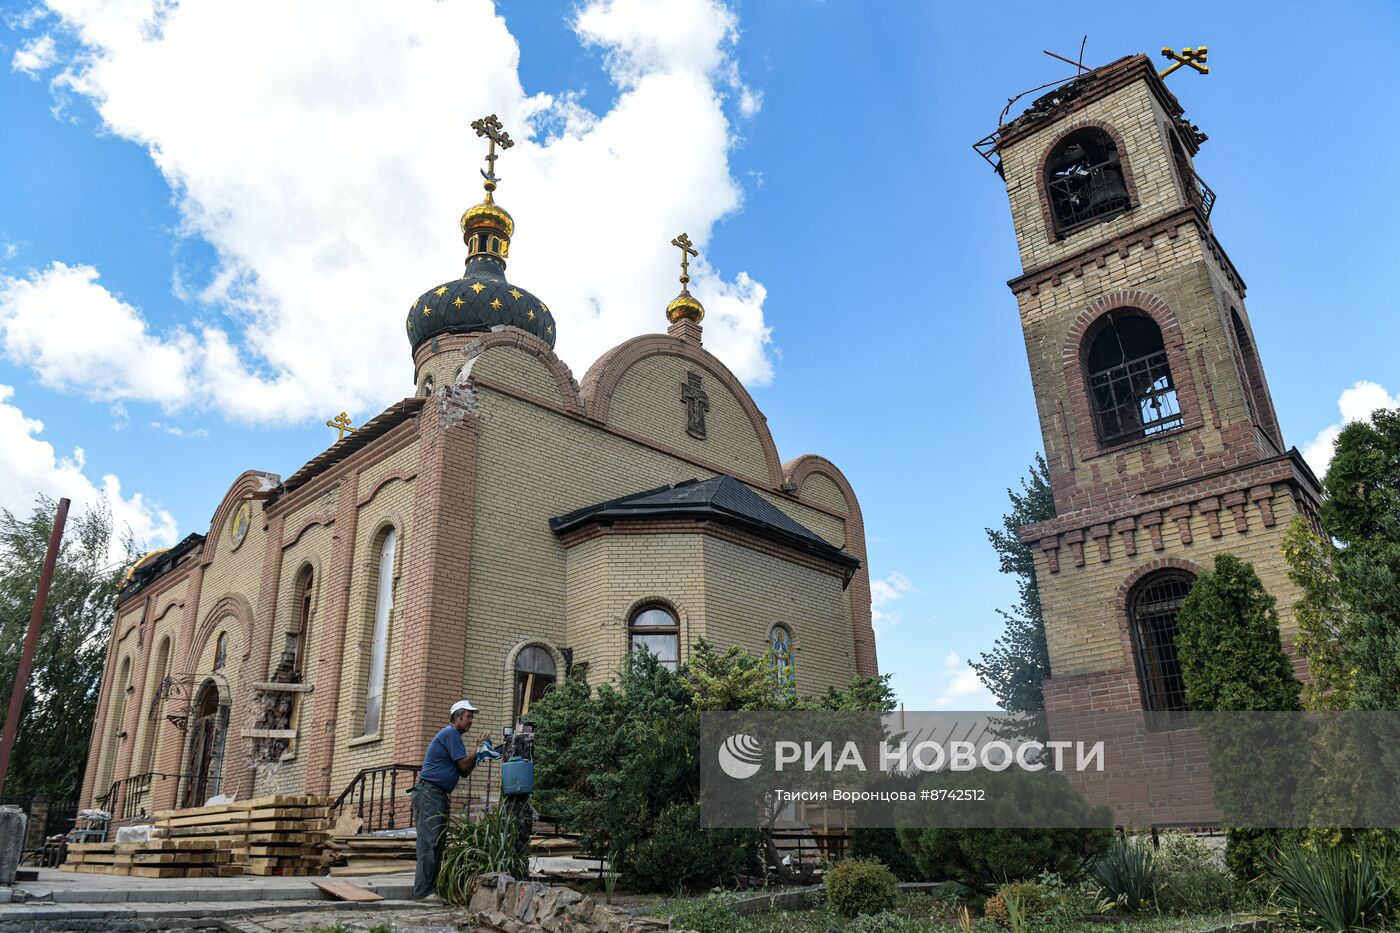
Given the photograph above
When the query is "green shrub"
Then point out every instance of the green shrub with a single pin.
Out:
(1190, 877)
(1032, 901)
(1329, 888)
(884, 922)
(681, 856)
(1127, 874)
(883, 844)
(983, 859)
(712, 914)
(861, 886)
(479, 848)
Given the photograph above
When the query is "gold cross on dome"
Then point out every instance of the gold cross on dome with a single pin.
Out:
(490, 127)
(341, 423)
(1192, 58)
(687, 250)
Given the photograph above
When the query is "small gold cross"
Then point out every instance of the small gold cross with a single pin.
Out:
(341, 423)
(490, 127)
(1192, 58)
(687, 250)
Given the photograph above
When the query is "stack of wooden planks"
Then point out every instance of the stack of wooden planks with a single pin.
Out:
(280, 835)
(365, 854)
(158, 858)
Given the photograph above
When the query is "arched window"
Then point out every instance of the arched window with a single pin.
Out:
(208, 728)
(784, 668)
(220, 651)
(297, 641)
(1152, 609)
(656, 630)
(1256, 394)
(379, 640)
(116, 712)
(1084, 180)
(534, 674)
(1130, 381)
(158, 673)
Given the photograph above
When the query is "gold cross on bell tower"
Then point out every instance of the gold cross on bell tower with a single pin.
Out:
(1192, 58)
(687, 250)
(490, 127)
(341, 423)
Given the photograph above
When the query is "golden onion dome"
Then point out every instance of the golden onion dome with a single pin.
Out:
(687, 306)
(488, 214)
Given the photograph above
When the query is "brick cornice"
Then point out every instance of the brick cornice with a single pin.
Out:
(713, 529)
(1051, 274)
(380, 448)
(1251, 481)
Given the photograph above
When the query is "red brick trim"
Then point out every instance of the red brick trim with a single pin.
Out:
(404, 475)
(1052, 230)
(1125, 590)
(230, 604)
(396, 439)
(1076, 376)
(247, 482)
(291, 540)
(605, 374)
(528, 343)
(1051, 274)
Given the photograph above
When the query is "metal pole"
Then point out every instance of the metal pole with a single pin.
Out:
(31, 641)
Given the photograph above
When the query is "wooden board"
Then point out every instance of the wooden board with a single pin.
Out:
(345, 891)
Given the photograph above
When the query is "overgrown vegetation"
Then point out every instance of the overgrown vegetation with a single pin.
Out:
(1127, 875)
(619, 764)
(478, 848)
(1329, 887)
(51, 744)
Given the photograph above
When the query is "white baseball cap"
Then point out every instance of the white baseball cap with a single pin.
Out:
(461, 705)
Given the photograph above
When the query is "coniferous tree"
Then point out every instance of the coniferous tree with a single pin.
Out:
(1019, 660)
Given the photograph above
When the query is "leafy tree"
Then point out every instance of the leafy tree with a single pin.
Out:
(1019, 661)
(620, 764)
(1349, 614)
(51, 742)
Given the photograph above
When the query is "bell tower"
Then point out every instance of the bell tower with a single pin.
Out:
(1159, 429)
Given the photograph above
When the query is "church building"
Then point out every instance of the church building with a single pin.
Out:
(503, 526)
(1160, 434)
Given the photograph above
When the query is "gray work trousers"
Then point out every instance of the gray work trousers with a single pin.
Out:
(433, 811)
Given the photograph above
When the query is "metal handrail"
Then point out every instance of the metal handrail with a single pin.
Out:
(379, 796)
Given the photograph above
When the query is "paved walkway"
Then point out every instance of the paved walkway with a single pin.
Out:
(67, 901)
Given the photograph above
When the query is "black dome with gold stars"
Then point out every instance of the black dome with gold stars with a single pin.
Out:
(477, 302)
(482, 298)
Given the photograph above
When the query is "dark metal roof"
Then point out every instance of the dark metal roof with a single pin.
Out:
(362, 436)
(722, 498)
(156, 565)
(480, 300)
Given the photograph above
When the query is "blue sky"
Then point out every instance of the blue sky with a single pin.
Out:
(214, 219)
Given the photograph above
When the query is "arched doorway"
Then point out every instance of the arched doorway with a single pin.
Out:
(208, 728)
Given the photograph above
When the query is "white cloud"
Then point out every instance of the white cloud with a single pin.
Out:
(1355, 404)
(960, 689)
(893, 586)
(36, 55)
(82, 339)
(29, 466)
(329, 176)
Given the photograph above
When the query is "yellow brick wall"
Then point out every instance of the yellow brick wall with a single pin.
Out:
(1082, 620)
(393, 505)
(647, 402)
(1135, 114)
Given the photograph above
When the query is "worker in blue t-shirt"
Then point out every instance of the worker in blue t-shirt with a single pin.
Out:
(445, 762)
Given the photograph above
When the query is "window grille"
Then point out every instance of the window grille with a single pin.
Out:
(1084, 180)
(1154, 608)
(1130, 380)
